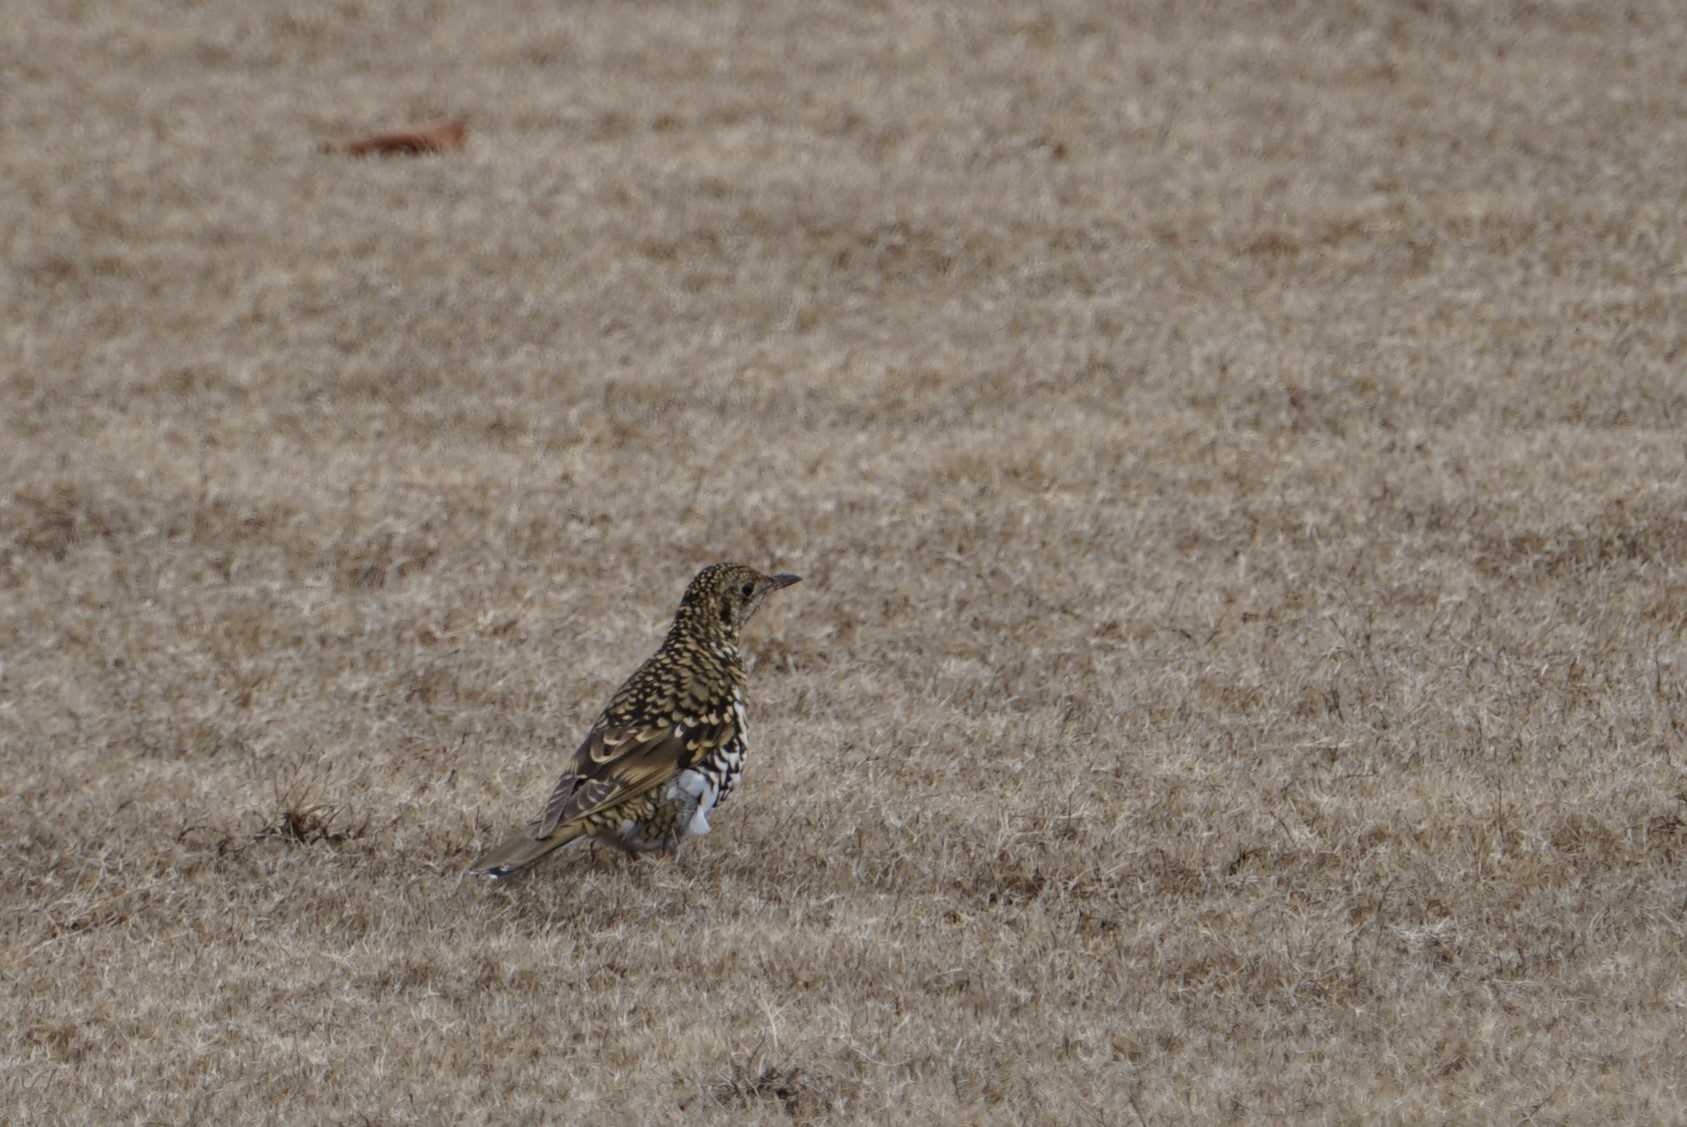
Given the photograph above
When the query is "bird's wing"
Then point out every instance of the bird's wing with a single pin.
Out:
(619, 761)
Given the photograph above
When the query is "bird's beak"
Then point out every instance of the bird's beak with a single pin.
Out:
(784, 580)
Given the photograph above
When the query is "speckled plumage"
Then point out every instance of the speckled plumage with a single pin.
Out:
(670, 745)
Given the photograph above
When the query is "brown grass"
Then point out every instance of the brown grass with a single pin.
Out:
(1234, 454)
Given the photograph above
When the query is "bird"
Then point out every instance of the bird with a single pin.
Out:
(669, 747)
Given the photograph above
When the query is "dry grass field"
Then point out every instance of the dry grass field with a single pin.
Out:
(1235, 454)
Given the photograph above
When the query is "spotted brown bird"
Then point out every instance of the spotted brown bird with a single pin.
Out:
(671, 744)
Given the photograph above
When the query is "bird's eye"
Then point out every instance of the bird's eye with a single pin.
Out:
(747, 590)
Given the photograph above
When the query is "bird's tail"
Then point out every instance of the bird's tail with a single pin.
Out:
(521, 849)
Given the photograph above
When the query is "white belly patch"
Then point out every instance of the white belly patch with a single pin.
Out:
(697, 785)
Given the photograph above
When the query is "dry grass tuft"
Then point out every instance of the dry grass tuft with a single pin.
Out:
(781, 1089)
(299, 820)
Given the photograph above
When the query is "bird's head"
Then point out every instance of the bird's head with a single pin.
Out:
(725, 595)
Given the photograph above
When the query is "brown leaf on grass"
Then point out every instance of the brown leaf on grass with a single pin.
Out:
(438, 137)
